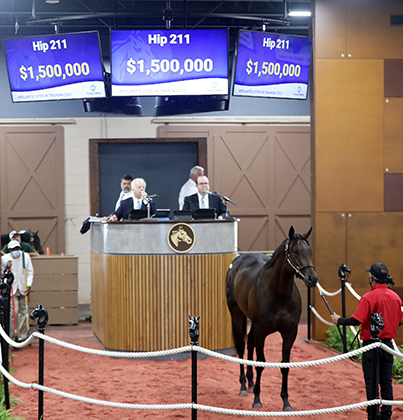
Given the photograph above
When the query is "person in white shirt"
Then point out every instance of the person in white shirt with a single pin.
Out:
(15, 262)
(189, 187)
(126, 186)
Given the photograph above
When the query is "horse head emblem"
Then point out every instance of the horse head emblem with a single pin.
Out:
(42, 314)
(194, 329)
(180, 235)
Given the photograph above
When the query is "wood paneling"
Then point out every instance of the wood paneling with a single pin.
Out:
(55, 287)
(148, 306)
(393, 192)
(329, 253)
(359, 240)
(349, 135)
(369, 33)
(394, 135)
(32, 183)
(330, 29)
(393, 71)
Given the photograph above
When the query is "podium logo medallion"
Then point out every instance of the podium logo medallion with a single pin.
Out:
(181, 238)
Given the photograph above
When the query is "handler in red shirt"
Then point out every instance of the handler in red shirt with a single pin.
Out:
(386, 302)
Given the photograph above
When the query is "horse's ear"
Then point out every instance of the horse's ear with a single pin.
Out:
(291, 232)
(306, 235)
(36, 233)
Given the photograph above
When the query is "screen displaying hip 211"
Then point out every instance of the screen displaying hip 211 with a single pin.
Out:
(169, 62)
(272, 65)
(54, 67)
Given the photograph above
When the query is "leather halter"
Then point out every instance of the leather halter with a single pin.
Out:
(297, 269)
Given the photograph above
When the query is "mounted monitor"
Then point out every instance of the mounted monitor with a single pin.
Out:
(55, 67)
(272, 65)
(167, 63)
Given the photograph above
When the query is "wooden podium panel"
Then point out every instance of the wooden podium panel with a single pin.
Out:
(141, 302)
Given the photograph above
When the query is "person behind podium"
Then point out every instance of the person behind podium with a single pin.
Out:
(189, 187)
(126, 187)
(138, 202)
(203, 199)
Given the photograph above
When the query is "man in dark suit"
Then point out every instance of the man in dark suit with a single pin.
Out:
(139, 201)
(202, 199)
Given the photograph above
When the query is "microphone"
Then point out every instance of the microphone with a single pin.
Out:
(224, 197)
(210, 193)
(148, 198)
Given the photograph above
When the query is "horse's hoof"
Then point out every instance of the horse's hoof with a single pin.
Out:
(257, 406)
(288, 408)
(243, 393)
(250, 390)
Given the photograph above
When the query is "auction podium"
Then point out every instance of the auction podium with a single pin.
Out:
(147, 277)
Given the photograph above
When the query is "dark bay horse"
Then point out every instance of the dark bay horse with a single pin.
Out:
(263, 289)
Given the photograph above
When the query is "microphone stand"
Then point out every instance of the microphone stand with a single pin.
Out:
(226, 201)
(148, 199)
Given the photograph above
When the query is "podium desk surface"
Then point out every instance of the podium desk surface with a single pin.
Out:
(173, 237)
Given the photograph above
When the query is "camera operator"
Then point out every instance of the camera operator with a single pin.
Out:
(383, 301)
(18, 262)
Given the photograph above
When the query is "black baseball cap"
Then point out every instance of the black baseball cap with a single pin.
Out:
(379, 271)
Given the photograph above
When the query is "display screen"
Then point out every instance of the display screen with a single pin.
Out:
(271, 65)
(169, 62)
(54, 67)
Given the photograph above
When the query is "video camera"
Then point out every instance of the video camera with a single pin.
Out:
(7, 278)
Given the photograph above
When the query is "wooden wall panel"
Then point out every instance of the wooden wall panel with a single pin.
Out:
(394, 135)
(330, 29)
(393, 70)
(393, 192)
(329, 253)
(375, 237)
(369, 33)
(349, 135)
(152, 295)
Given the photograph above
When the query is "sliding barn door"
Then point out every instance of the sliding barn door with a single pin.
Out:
(32, 183)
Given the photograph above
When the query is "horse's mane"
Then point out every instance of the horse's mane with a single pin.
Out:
(276, 253)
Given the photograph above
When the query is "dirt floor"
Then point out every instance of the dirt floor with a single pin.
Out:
(169, 382)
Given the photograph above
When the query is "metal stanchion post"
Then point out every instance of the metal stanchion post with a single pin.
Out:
(309, 312)
(194, 341)
(42, 314)
(343, 269)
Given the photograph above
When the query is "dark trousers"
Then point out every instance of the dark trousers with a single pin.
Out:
(384, 377)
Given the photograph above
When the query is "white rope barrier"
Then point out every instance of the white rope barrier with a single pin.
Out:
(316, 313)
(352, 291)
(197, 406)
(321, 289)
(191, 405)
(114, 354)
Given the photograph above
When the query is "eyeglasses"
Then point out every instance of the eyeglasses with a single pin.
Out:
(202, 183)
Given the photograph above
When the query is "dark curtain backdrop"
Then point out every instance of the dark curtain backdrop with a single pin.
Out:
(164, 166)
